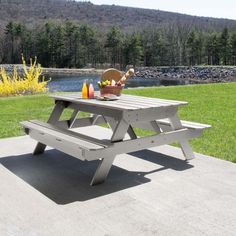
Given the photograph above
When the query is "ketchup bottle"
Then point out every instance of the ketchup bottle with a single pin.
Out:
(91, 91)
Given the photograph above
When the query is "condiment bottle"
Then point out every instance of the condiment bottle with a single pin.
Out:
(85, 90)
(91, 91)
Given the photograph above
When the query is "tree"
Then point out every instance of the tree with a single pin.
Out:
(182, 32)
(71, 33)
(73, 45)
(59, 36)
(44, 45)
(87, 39)
(192, 48)
(10, 31)
(154, 48)
(171, 38)
(199, 42)
(212, 48)
(133, 49)
(225, 46)
(114, 44)
(233, 44)
(14, 32)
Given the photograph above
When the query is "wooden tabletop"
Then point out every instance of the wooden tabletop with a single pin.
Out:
(125, 102)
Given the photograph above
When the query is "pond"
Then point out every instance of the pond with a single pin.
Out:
(74, 83)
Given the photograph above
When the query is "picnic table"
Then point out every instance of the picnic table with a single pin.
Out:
(86, 139)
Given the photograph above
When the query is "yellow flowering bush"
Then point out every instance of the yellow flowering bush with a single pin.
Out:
(11, 85)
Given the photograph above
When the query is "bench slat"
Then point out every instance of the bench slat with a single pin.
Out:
(104, 142)
(64, 142)
(164, 124)
(153, 100)
(186, 124)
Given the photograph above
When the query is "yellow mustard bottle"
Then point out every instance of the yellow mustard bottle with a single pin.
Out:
(84, 90)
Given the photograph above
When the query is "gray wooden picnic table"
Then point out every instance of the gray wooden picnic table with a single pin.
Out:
(122, 116)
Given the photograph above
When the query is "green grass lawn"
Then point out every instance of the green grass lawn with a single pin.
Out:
(213, 104)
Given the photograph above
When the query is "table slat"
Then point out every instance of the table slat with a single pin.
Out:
(126, 102)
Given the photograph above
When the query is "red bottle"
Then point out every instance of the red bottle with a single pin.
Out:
(90, 91)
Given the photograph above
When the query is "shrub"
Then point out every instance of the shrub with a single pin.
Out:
(28, 83)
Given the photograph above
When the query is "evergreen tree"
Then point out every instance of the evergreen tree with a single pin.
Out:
(225, 46)
(27, 44)
(87, 39)
(199, 48)
(14, 32)
(60, 45)
(133, 49)
(154, 48)
(192, 48)
(10, 31)
(233, 44)
(71, 44)
(114, 44)
(43, 45)
(212, 49)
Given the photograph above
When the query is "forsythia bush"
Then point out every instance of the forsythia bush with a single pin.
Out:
(27, 84)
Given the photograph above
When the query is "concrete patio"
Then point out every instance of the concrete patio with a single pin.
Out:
(151, 192)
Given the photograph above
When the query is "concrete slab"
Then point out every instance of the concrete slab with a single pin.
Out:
(151, 192)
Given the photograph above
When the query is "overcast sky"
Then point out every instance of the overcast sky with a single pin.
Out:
(217, 8)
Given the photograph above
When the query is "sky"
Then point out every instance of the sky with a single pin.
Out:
(211, 8)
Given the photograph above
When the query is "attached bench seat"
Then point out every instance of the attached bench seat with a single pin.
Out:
(94, 142)
(73, 143)
(165, 125)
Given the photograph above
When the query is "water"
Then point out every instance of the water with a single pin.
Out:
(74, 83)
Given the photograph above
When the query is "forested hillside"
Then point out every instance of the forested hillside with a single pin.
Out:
(76, 34)
(35, 11)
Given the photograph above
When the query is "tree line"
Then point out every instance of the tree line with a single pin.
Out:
(76, 45)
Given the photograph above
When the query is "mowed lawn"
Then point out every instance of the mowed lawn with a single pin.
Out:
(213, 104)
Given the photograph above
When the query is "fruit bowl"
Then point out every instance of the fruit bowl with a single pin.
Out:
(113, 81)
(109, 89)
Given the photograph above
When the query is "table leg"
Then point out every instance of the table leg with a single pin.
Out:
(131, 133)
(102, 170)
(155, 127)
(185, 146)
(95, 118)
(113, 124)
(120, 128)
(73, 118)
(54, 117)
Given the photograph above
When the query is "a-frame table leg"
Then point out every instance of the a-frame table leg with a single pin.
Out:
(54, 117)
(102, 170)
(185, 146)
(113, 123)
(119, 128)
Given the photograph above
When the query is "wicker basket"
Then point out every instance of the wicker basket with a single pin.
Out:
(115, 90)
(111, 74)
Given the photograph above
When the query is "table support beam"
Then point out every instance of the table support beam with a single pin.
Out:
(54, 117)
(131, 132)
(73, 118)
(120, 130)
(184, 144)
(102, 170)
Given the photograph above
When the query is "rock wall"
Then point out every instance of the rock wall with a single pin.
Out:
(197, 74)
(55, 71)
(191, 74)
